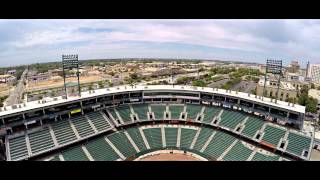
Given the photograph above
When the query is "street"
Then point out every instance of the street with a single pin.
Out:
(15, 96)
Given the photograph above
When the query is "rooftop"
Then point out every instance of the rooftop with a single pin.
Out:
(267, 101)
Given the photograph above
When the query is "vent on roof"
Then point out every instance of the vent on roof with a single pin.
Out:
(14, 106)
(55, 99)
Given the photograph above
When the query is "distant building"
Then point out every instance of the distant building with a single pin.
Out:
(8, 79)
(294, 67)
(12, 72)
(287, 89)
(313, 72)
(39, 77)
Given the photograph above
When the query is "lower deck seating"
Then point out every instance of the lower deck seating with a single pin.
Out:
(297, 143)
(55, 158)
(137, 138)
(193, 110)
(209, 113)
(98, 121)
(63, 132)
(121, 142)
(74, 154)
(205, 133)
(263, 157)
(141, 110)
(219, 143)
(239, 152)
(18, 148)
(100, 150)
(40, 141)
(171, 134)
(153, 136)
(186, 138)
(272, 135)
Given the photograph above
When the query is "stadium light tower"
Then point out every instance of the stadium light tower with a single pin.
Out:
(70, 62)
(274, 67)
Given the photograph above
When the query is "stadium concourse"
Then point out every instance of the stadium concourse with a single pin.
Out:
(134, 129)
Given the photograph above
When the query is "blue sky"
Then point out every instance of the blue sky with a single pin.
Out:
(32, 41)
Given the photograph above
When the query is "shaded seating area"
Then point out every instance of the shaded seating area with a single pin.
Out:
(40, 140)
(18, 148)
(239, 152)
(124, 112)
(158, 111)
(273, 135)
(98, 121)
(205, 133)
(186, 138)
(82, 125)
(175, 111)
(63, 132)
(137, 138)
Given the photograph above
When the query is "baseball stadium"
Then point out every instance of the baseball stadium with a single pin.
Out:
(156, 123)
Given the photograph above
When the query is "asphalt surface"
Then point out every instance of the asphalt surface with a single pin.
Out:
(245, 86)
(15, 96)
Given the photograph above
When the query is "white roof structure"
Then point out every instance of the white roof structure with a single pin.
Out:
(234, 94)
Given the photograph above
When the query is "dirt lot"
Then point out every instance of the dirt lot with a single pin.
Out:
(58, 83)
(4, 89)
(170, 157)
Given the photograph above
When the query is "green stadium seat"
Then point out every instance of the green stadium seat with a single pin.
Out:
(122, 143)
(18, 148)
(63, 132)
(262, 157)
(205, 133)
(231, 119)
(141, 110)
(74, 154)
(100, 150)
(252, 125)
(137, 138)
(186, 138)
(153, 136)
(297, 143)
(82, 125)
(239, 152)
(124, 111)
(171, 134)
(273, 135)
(175, 111)
(193, 110)
(40, 141)
(209, 113)
(219, 144)
(158, 111)
(99, 121)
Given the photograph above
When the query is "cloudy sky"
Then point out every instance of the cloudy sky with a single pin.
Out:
(31, 41)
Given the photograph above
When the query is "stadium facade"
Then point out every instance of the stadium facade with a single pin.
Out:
(125, 122)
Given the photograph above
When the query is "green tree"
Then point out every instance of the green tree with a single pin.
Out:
(90, 87)
(313, 86)
(199, 83)
(101, 84)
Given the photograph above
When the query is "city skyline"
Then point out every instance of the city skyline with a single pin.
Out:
(37, 41)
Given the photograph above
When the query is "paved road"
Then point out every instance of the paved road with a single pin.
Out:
(244, 86)
(218, 84)
(15, 96)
